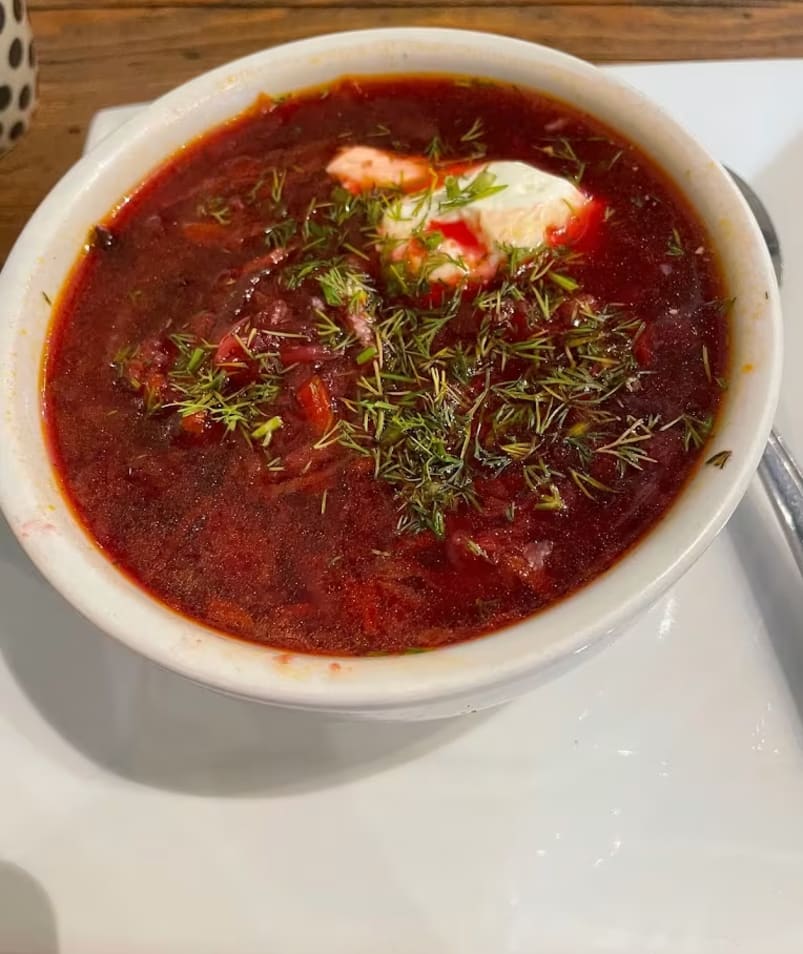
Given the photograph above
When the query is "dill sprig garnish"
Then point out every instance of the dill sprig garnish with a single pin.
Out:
(473, 139)
(562, 149)
(720, 459)
(215, 207)
(474, 133)
(199, 387)
(433, 417)
(674, 246)
(528, 377)
(458, 193)
(696, 430)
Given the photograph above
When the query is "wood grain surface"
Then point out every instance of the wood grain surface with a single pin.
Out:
(368, 4)
(93, 55)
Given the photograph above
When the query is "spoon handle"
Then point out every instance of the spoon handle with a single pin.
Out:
(783, 482)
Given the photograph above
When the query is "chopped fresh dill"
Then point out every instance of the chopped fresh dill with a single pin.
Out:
(278, 235)
(215, 207)
(588, 484)
(696, 430)
(674, 246)
(436, 149)
(720, 459)
(278, 179)
(562, 149)
(264, 432)
(366, 355)
(706, 364)
(566, 282)
(722, 306)
(525, 379)
(473, 547)
(474, 133)
(459, 194)
(472, 138)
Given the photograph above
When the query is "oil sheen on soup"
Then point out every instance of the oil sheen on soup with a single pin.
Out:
(386, 365)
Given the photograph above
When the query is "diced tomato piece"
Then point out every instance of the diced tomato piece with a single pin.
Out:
(194, 424)
(133, 372)
(314, 398)
(155, 384)
(642, 348)
(230, 352)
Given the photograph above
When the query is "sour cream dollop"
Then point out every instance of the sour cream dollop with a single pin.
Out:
(464, 219)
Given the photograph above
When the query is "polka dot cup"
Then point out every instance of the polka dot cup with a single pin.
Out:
(17, 72)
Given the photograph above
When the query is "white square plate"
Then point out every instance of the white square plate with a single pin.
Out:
(648, 801)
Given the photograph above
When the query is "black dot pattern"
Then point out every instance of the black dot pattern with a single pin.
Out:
(15, 53)
(18, 65)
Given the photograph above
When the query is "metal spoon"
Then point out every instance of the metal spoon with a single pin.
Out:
(779, 473)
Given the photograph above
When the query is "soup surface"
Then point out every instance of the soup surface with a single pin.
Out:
(385, 365)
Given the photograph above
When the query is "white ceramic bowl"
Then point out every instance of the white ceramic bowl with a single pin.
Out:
(459, 678)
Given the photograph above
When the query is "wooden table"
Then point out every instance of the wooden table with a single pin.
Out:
(93, 55)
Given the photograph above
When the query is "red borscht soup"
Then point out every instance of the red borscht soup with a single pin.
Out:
(387, 365)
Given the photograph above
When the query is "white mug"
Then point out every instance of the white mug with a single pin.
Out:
(17, 72)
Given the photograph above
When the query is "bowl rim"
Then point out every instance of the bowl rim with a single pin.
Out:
(498, 659)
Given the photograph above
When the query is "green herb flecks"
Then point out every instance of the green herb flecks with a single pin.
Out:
(215, 207)
(563, 150)
(460, 193)
(200, 386)
(696, 430)
(720, 459)
(674, 247)
(472, 139)
(435, 149)
(706, 364)
(280, 234)
(432, 418)
(447, 387)
(474, 133)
